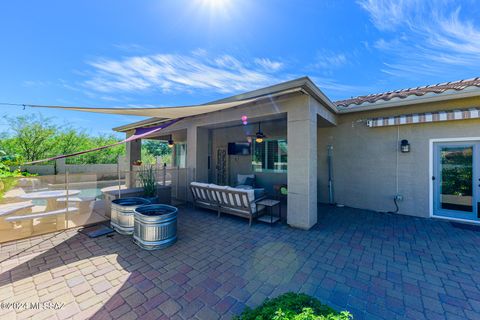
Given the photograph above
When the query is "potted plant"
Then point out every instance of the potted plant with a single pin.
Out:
(148, 182)
(137, 163)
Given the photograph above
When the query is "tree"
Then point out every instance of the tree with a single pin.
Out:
(157, 148)
(151, 149)
(70, 140)
(33, 135)
(109, 155)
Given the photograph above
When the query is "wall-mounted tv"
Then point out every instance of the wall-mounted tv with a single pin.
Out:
(239, 148)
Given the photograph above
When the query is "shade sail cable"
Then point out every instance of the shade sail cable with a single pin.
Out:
(139, 134)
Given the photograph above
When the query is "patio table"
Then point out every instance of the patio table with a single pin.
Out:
(51, 197)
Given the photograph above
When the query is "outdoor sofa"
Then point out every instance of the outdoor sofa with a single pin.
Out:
(224, 199)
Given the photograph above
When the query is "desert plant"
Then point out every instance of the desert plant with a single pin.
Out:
(148, 181)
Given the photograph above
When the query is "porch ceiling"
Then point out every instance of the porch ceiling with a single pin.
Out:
(235, 123)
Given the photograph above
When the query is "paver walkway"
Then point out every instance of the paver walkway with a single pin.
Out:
(378, 266)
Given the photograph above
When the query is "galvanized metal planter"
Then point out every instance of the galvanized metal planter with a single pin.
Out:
(121, 218)
(155, 226)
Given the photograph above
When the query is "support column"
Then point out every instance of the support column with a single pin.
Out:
(302, 167)
(197, 155)
(133, 153)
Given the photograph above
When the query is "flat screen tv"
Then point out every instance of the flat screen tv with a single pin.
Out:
(239, 148)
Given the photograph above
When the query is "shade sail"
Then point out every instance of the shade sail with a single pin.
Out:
(139, 134)
(162, 112)
(427, 117)
(174, 112)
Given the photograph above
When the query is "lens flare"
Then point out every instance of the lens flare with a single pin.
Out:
(216, 4)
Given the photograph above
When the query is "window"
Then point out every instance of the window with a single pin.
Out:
(180, 155)
(270, 156)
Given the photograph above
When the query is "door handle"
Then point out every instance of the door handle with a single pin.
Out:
(433, 177)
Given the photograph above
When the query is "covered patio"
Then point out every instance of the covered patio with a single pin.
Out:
(377, 266)
(287, 115)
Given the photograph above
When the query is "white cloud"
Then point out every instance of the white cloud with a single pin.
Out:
(269, 64)
(129, 47)
(336, 90)
(389, 14)
(427, 37)
(36, 83)
(176, 72)
(329, 60)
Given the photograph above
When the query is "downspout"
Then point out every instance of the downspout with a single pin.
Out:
(396, 196)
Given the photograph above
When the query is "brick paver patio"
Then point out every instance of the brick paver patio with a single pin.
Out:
(378, 266)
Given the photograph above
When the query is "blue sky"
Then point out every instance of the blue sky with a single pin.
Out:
(176, 52)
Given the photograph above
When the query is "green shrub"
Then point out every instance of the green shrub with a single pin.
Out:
(294, 306)
(8, 178)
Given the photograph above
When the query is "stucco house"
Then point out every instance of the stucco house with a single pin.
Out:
(414, 151)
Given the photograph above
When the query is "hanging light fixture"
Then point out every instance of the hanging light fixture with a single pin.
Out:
(170, 142)
(259, 136)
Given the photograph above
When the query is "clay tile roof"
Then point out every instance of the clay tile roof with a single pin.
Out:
(418, 91)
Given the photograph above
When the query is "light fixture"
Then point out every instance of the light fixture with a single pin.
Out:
(404, 146)
(170, 142)
(259, 136)
(244, 120)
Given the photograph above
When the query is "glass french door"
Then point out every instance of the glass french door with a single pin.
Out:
(456, 180)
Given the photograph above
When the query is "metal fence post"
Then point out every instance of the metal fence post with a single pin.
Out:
(177, 181)
(164, 174)
(118, 175)
(66, 197)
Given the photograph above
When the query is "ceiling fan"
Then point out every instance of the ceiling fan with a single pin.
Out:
(259, 136)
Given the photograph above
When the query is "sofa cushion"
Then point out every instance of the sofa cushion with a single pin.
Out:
(243, 187)
(250, 182)
(199, 184)
(242, 177)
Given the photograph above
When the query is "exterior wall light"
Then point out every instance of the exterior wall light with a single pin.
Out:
(170, 143)
(404, 146)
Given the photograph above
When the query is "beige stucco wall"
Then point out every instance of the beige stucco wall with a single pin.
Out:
(364, 159)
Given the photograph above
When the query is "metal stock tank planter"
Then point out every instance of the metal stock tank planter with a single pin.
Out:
(121, 218)
(155, 226)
